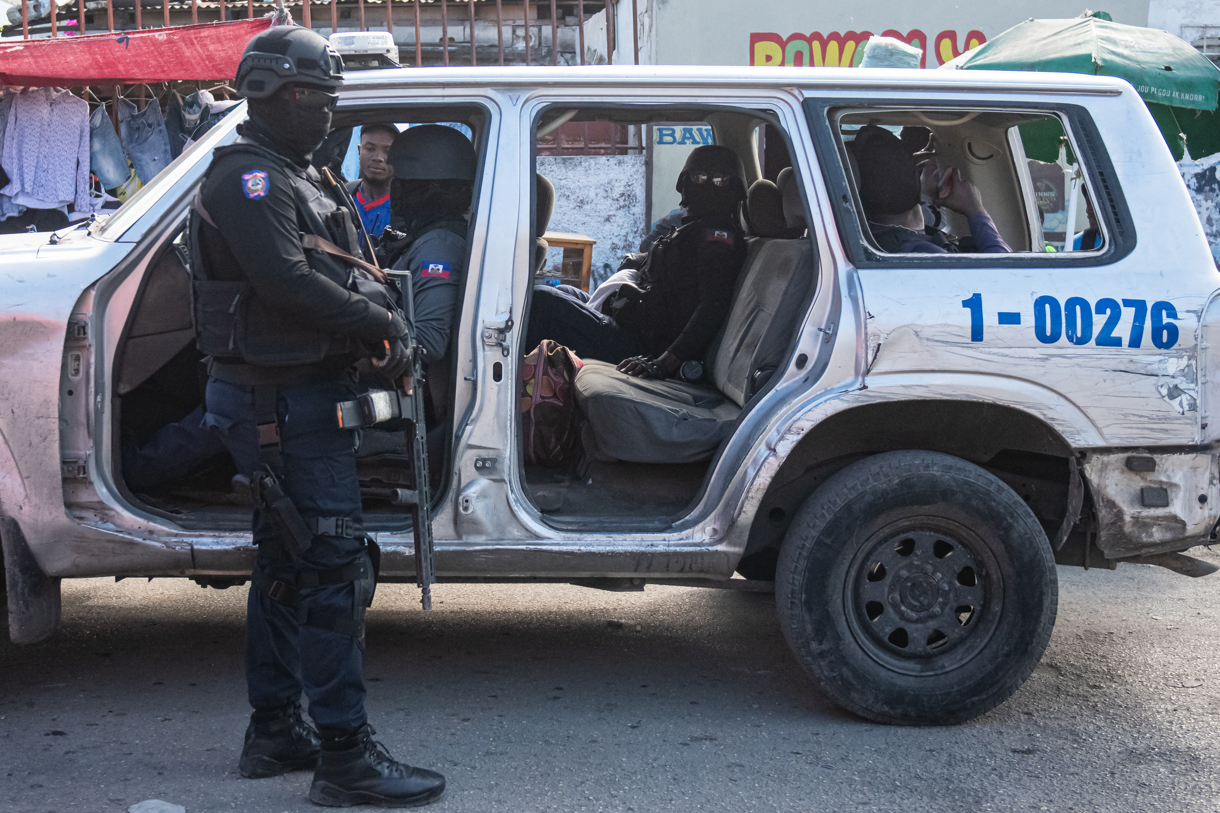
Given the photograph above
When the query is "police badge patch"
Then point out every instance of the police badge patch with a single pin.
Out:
(435, 270)
(255, 184)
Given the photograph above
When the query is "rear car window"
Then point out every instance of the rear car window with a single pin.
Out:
(967, 181)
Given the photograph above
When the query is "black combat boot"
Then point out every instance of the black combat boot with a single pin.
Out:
(279, 741)
(356, 770)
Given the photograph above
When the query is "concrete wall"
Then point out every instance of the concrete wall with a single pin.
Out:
(1204, 187)
(624, 45)
(601, 196)
(718, 32)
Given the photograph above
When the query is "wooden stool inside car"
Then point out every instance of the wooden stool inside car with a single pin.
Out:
(577, 257)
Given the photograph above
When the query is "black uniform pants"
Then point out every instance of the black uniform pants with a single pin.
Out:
(564, 317)
(283, 655)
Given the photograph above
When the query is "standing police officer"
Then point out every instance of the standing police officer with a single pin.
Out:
(283, 316)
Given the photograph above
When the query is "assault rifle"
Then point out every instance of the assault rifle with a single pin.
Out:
(406, 402)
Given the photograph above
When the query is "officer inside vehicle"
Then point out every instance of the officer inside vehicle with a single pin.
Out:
(434, 171)
(685, 286)
(278, 311)
(891, 182)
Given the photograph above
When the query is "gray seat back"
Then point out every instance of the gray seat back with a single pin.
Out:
(774, 283)
(544, 208)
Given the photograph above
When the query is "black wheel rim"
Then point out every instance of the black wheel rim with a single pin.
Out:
(923, 595)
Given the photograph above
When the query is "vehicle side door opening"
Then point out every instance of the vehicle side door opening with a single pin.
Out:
(159, 375)
(646, 445)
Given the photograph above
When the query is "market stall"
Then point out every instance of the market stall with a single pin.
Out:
(86, 121)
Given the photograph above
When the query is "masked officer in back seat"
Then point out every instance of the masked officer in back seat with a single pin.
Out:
(283, 314)
(684, 289)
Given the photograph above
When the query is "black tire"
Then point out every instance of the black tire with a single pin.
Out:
(916, 589)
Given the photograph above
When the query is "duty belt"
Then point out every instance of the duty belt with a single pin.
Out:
(295, 532)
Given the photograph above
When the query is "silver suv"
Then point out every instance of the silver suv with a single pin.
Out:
(903, 444)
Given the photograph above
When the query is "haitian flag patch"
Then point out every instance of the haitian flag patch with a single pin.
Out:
(719, 236)
(255, 184)
(435, 270)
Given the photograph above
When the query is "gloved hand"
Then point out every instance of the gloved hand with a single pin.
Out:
(396, 359)
(663, 366)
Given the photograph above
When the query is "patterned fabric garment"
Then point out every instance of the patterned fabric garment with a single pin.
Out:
(46, 150)
(7, 207)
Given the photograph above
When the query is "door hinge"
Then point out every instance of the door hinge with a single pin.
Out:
(495, 334)
(487, 466)
(78, 329)
(75, 467)
(828, 331)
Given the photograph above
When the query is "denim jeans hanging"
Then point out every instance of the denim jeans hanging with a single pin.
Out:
(175, 128)
(145, 139)
(106, 157)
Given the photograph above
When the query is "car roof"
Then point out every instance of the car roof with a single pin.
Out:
(857, 79)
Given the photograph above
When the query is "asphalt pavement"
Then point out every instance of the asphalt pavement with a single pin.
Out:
(558, 698)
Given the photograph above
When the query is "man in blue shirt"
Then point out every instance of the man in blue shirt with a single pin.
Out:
(372, 190)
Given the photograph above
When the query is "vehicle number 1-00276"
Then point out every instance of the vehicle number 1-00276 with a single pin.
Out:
(1074, 320)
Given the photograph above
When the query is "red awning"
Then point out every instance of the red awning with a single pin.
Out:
(189, 52)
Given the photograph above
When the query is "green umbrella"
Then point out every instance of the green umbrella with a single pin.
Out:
(1180, 85)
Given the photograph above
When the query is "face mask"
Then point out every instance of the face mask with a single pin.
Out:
(414, 201)
(707, 200)
(298, 119)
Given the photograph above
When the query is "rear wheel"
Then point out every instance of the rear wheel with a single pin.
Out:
(916, 588)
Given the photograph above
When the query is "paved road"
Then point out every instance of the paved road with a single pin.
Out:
(556, 698)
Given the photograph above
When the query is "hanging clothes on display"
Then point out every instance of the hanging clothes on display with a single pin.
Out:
(106, 156)
(188, 118)
(7, 207)
(183, 119)
(46, 150)
(145, 139)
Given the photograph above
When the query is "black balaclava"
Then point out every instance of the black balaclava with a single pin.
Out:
(297, 129)
(416, 204)
(889, 178)
(706, 200)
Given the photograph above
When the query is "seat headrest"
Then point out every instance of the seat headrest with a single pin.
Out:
(545, 196)
(794, 207)
(765, 209)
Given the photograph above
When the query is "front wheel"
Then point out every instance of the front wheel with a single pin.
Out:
(916, 589)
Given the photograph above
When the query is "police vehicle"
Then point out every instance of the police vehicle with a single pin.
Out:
(903, 445)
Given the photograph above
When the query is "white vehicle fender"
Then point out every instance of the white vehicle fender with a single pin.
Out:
(774, 447)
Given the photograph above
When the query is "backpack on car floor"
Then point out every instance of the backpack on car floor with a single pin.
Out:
(550, 422)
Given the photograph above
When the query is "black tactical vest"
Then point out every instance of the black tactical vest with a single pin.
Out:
(233, 325)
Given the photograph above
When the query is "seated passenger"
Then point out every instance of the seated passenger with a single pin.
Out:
(434, 170)
(371, 190)
(684, 289)
(890, 187)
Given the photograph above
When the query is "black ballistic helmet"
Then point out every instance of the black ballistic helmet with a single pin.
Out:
(287, 55)
(889, 176)
(714, 158)
(432, 152)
